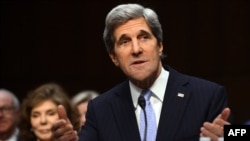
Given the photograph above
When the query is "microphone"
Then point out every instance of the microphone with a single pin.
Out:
(142, 103)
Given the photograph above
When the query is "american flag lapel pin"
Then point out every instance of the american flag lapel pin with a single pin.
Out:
(180, 95)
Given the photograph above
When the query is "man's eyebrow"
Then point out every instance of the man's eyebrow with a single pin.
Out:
(141, 31)
(144, 32)
(121, 37)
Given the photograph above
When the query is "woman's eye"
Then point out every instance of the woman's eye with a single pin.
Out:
(51, 113)
(34, 115)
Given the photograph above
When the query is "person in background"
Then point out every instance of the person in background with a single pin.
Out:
(185, 107)
(81, 99)
(39, 112)
(9, 115)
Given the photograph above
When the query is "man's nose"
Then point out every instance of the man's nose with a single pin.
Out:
(136, 47)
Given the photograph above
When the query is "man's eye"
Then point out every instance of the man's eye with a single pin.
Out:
(123, 42)
(144, 36)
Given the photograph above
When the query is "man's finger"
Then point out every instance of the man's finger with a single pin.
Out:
(62, 113)
(225, 113)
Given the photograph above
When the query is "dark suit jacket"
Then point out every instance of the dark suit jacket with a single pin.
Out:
(111, 116)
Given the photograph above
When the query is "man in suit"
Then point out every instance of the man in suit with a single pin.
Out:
(185, 107)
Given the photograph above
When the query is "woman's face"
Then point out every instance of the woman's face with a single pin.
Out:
(42, 116)
(82, 108)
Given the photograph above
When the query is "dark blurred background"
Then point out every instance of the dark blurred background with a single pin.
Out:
(61, 41)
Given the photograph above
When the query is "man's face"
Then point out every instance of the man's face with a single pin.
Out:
(136, 52)
(8, 117)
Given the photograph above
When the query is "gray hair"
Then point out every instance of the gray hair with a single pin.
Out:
(16, 102)
(84, 96)
(124, 12)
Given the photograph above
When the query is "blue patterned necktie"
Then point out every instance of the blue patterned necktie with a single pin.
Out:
(150, 125)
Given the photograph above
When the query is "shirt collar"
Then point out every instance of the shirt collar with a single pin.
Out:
(14, 135)
(158, 88)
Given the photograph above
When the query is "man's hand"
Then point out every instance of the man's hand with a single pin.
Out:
(215, 129)
(62, 130)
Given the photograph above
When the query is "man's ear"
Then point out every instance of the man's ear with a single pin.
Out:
(160, 49)
(114, 59)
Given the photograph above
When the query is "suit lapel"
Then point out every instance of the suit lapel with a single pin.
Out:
(124, 113)
(174, 103)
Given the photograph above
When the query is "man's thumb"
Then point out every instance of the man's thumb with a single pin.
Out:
(225, 113)
(62, 113)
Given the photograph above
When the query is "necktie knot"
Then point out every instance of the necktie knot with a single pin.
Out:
(146, 94)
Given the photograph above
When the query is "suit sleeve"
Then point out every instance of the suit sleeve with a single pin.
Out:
(89, 131)
(218, 103)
